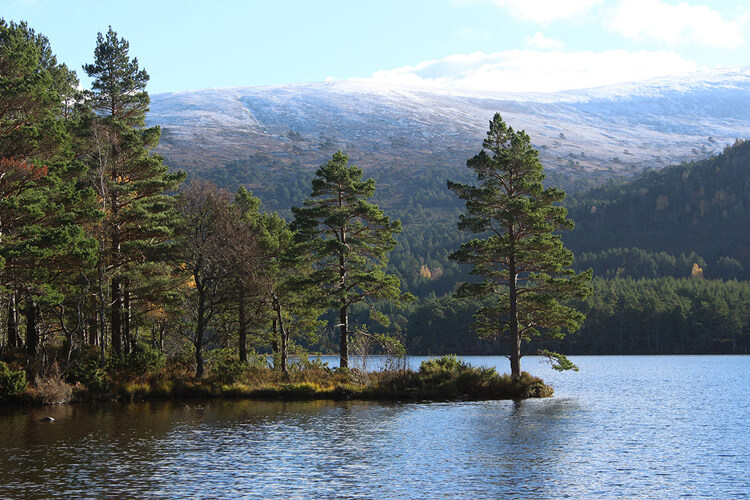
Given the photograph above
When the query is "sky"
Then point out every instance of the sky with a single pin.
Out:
(471, 45)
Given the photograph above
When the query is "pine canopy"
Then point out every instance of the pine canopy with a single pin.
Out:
(525, 269)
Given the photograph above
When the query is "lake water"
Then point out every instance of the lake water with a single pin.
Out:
(638, 426)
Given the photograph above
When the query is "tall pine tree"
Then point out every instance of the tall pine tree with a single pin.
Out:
(348, 238)
(42, 202)
(525, 269)
(132, 183)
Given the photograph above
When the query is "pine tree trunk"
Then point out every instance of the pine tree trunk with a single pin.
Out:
(102, 315)
(92, 333)
(14, 341)
(343, 313)
(344, 327)
(199, 328)
(116, 284)
(32, 328)
(515, 337)
(126, 337)
(116, 316)
(242, 327)
(275, 342)
(284, 334)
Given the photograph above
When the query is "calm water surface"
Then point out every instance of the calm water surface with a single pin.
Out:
(649, 427)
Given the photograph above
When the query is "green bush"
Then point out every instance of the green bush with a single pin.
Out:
(450, 364)
(88, 372)
(304, 362)
(143, 359)
(225, 365)
(12, 382)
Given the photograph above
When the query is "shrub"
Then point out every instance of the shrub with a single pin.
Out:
(52, 388)
(450, 363)
(88, 372)
(12, 382)
(304, 362)
(225, 365)
(143, 359)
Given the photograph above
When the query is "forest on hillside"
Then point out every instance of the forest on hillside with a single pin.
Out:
(110, 260)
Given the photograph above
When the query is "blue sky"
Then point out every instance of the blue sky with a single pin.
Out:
(502, 45)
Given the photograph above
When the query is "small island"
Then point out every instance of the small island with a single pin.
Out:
(124, 277)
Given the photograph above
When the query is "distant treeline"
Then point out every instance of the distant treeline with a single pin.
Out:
(623, 316)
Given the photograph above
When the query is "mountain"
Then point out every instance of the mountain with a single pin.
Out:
(608, 131)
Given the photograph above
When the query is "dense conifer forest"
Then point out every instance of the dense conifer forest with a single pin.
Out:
(113, 262)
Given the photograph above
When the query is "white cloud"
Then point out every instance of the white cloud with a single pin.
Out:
(544, 11)
(535, 71)
(539, 41)
(656, 20)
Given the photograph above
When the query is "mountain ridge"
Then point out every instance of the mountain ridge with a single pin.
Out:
(615, 130)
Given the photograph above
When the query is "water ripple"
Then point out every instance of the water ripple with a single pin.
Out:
(622, 427)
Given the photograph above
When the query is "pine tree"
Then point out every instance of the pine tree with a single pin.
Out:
(32, 84)
(349, 239)
(43, 204)
(131, 182)
(524, 267)
(282, 286)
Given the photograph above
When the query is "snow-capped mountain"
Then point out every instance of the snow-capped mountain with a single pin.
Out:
(619, 129)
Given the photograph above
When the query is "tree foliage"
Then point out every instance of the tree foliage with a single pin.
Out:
(349, 239)
(522, 262)
(132, 183)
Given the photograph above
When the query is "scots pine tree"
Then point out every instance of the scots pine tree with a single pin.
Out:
(43, 204)
(132, 183)
(524, 268)
(348, 239)
(282, 285)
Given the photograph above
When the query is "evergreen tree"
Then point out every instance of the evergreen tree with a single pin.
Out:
(283, 274)
(348, 239)
(521, 259)
(132, 183)
(43, 204)
(32, 86)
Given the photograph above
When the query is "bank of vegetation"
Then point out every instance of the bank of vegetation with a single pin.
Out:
(149, 374)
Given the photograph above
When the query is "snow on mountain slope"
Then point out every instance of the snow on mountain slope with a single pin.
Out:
(618, 129)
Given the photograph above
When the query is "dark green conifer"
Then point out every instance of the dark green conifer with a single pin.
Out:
(132, 183)
(348, 239)
(280, 282)
(43, 204)
(525, 269)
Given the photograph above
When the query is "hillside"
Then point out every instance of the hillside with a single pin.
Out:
(411, 141)
(606, 131)
(701, 207)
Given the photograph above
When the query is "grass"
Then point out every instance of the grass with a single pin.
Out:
(444, 379)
